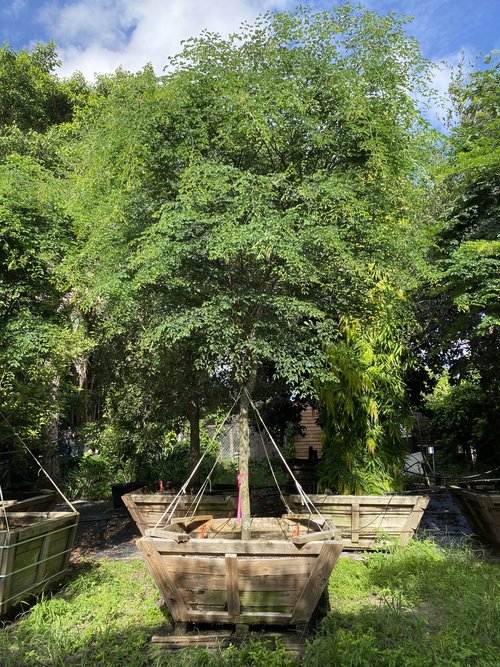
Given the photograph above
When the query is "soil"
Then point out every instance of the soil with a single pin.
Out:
(104, 532)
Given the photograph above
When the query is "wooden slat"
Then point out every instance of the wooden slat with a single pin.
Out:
(163, 580)
(279, 580)
(249, 599)
(394, 516)
(233, 593)
(482, 511)
(311, 537)
(167, 534)
(221, 546)
(355, 523)
(316, 582)
(413, 520)
(7, 539)
(251, 618)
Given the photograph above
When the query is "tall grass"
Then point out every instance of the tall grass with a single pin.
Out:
(410, 607)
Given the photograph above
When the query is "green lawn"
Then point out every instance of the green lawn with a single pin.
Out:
(415, 606)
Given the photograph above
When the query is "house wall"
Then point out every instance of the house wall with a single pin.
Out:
(311, 437)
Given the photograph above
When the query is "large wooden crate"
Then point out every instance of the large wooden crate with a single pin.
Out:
(368, 522)
(220, 578)
(147, 508)
(34, 553)
(482, 510)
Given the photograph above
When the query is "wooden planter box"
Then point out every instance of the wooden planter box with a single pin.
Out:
(40, 501)
(34, 553)
(368, 522)
(482, 510)
(146, 508)
(219, 578)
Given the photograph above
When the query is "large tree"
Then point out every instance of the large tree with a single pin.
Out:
(36, 338)
(239, 206)
(463, 307)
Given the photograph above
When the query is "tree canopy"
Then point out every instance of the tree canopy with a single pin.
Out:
(261, 208)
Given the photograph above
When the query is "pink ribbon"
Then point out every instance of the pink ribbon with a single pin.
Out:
(238, 481)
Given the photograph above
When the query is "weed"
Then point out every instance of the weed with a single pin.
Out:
(406, 608)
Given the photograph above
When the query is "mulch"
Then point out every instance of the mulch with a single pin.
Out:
(104, 532)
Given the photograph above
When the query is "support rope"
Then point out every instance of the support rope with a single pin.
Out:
(283, 499)
(4, 507)
(303, 496)
(173, 505)
(38, 462)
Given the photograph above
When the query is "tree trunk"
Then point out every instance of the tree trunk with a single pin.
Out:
(50, 456)
(194, 440)
(244, 458)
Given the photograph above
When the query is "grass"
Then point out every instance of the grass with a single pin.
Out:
(415, 606)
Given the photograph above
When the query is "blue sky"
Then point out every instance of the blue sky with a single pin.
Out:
(97, 36)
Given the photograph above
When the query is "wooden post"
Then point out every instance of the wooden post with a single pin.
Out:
(244, 457)
(233, 593)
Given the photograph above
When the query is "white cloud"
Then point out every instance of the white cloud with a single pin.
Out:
(97, 36)
(442, 76)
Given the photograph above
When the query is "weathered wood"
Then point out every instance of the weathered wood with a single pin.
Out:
(168, 534)
(34, 553)
(312, 521)
(190, 523)
(413, 521)
(312, 537)
(317, 582)
(164, 582)
(146, 509)
(42, 501)
(482, 510)
(239, 581)
(233, 592)
(355, 523)
(216, 639)
(367, 522)
(254, 547)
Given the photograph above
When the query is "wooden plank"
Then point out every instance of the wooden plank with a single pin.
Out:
(318, 579)
(277, 582)
(167, 534)
(311, 521)
(355, 523)
(191, 523)
(222, 546)
(321, 501)
(413, 520)
(213, 599)
(217, 639)
(7, 539)
(42, 555)
(36, 503)
(233, 593)
(250, 618)
(482, 511)
(310, 537)
(214, 566)
(276, 566)
(163, 580)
